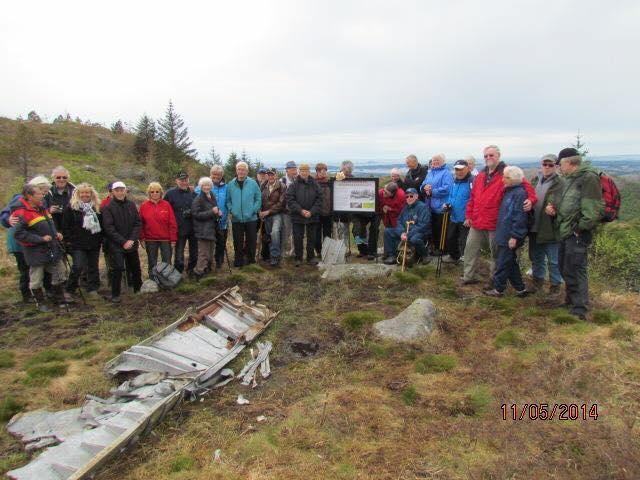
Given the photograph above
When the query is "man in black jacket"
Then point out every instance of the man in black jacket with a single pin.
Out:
(122, 224)
(181, 197)
(415, 175)
(304, 201)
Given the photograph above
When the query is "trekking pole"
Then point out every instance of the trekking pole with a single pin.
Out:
(443, 238)
(406, 243)
(226, 254)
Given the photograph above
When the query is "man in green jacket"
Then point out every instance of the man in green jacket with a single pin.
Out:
(243, 204)
(577, 213)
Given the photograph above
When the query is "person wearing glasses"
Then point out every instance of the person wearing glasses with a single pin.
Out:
(482, 213)
(159, 228)
(59, 195)
(418, 215)
(544, 240)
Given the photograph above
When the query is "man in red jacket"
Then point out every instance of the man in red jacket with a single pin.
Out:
(482, 212)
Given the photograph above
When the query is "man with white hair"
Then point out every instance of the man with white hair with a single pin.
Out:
(58, 197)
(436, 187)
(471, 161)
(244, 200)
(415, 175)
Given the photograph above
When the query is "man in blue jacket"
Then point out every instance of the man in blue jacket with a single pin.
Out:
(510, 234)
(457, 206)
(436, 187)
(416, 212)
(243, 202)
(181, 197)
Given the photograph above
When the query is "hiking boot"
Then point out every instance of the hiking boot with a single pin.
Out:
(493, 293)
(60, 296)
(390, 260)
(371, 257)
(298, 262)
(115, 300)
(522, 293)
(40, 301)
(470, 281)
(449, 259)
(274, 262)
(92, 294)
(312, 261)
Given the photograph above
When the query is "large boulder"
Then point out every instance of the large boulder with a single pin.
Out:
(356, 270)
(413, 323)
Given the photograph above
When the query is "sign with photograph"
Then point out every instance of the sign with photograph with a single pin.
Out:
(355, 195)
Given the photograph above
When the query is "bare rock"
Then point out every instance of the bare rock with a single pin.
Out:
(413, 323)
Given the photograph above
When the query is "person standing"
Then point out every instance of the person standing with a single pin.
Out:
(205, 224)
(510, 234)
(471, 162)
(456, 204)
(273, 202)
(219, 189)
(83, 237)
(544, 242)
(304, 201)
(578, 213)
(415, 175)
(121, 225)
(41, 246)
(244, 200)
(325, 224)
(180, 198)
(59, 195)
(436, 187)
(159, 228)
(290, 174)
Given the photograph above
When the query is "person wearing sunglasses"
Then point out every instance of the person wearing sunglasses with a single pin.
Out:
(159, 227)
(544, 239)
(59, 195)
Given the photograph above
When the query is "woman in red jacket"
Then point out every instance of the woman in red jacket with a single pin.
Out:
(159, 227)
(391, 201)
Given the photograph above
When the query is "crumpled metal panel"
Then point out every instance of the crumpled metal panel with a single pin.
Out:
(187, 356)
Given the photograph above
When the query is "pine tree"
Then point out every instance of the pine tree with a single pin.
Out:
(144, 146)
(174, 145)
(32, 116)
(24, 144)
(580, 146)
(230, 166)
(116, 127)
(214, 157)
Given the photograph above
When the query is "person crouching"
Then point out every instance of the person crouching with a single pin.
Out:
(419, 217)
(510, 233)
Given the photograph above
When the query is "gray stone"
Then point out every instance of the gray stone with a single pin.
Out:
(90, 168)
(413, 323)
(149, 286)
(357, 270)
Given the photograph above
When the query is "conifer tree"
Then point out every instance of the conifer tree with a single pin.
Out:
(144, 146)
(174, 145)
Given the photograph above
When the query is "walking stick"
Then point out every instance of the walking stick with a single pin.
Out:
(406, 242)
(443, 239)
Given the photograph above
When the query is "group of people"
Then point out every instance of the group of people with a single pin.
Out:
(434, 209)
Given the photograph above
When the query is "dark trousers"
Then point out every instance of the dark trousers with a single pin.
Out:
(456, 239)
(263, 237)
(507, 269)
(323, 230)
(23, 269)
(436, 230)
(221, 244)
(298, 237)
(152, 253)
(573, 267)
(178, 260)
(120, 258)
(244, 242)
(85, 261)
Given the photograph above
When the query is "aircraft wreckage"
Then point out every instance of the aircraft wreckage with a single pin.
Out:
(184, 359)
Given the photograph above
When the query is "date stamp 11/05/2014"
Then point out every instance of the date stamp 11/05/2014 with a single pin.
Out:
(549, 411)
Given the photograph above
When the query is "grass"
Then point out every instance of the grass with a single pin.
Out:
(409, 395)
(407, 278)
(605, 317)
(45, 371)
(509, 337)
(479, 398)
(564, 318)
(181, 463)
(622, 331)
(434, 363)
(9, 406)
(46, 356)
(354, 321)
(7, 359)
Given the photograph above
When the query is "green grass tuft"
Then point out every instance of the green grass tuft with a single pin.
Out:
(435, 363)
(191, 287)
(479, 397)
(622, 331)
(181, 463)
(409, 395)
(237, 278)
(509, 337)
(86, 352)
(7, 359)
(423, 271)
(253, 268)
(47, 370)
(606, 317)
(356, 320)
(564, 318)
(46, 356)
(407, 278)
(9, 406)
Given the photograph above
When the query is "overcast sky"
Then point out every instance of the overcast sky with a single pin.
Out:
(329, 80)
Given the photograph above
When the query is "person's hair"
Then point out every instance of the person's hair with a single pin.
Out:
(514, 173)
(155, 186)
(495, 147)
(216, 168)
(441, 156)
(59, 168)
(575, 160)
(412, 157)
(204, 180)
(39, 180)
(391, 187)
(75, 196)
(321, 166)
(29, 189)
(242, 164)
(395, 170)
(470, 158)
(347, 163)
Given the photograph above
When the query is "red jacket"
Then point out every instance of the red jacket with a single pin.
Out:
(105, 201)
(486, 196)
(395, 204)
(158, 221)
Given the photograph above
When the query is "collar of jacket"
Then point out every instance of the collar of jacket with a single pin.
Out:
(543, 179)
(308, 180)
(499, 169)
(464, 179)
(121, 202)
(444, 165)
(67, 188)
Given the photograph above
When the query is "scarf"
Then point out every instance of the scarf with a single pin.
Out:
(90, 221)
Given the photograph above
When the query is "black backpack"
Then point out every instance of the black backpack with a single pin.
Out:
(166, 276)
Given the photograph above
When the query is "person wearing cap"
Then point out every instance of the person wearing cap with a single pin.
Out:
(456, 205)
(544, 241)
(219, 189)
(577, 214)
(290, 174)
(244, 200)
(59, 195)
(325, 222)
(181, 198)
(414, 211)
(261, 176)
(159, 231)
(482, 212)
(273, 202)
(416, 174)
(436, 187)
(304, 201)
(121, 224)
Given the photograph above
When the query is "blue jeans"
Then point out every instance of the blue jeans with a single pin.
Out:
(273, 226)
(392, 240)
(538, 253)
(507, 268)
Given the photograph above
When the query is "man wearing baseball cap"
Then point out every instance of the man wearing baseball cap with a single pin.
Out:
(121, 225)
(181, 197)
(418, 216)
(456, 205)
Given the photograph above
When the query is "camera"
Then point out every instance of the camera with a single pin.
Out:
(186, 212)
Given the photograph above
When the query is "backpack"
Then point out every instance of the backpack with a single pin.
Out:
(165, 275)
(611, 198)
